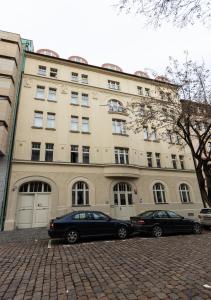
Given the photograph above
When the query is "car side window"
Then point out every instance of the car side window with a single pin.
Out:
(172, 214)
(161, 215)
(99, 216)
(83, 216)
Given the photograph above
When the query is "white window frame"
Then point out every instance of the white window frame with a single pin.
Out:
(85, 124)
(123, 189)
(42, 70)
(158, 187)
(84, 78)
(114, 85)
(80, 186)
(38, 119)
(84, 99)
(121, 155)
(119, 126)
(53, 72)
(74, 126)
(40, 92)
(184, 192)
(52, 94)
(74, 76)
(51, 118)
(115, 106)
(74, 98)
(146, 133)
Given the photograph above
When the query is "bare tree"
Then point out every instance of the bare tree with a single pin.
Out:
(178, 12)
(185, 122)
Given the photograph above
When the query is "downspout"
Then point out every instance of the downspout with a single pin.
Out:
(11, 142)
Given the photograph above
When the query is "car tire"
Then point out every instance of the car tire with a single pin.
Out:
(196, 228)
(72, 236)
(157, 231)
(122, 233)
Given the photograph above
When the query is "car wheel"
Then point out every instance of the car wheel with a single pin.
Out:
(122, 233)
(197, 228)
(157, 231)
(72, 236)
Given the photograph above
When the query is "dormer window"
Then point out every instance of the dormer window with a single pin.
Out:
(115, 106)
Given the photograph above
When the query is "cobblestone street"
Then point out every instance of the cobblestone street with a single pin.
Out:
(173, 267)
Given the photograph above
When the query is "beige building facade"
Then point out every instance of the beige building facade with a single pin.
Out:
(73, 149)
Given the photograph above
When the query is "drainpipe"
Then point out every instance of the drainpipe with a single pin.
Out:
(11, 142)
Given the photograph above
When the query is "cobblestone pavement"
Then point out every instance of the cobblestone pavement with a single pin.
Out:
(173, 267)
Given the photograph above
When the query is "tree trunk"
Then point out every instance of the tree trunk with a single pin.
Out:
(207, 173)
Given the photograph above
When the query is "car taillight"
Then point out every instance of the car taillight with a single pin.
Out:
(51, 225)
(141, 222)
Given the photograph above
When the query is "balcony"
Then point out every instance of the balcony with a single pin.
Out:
(121, 171)
(117, 110)
(3, 140)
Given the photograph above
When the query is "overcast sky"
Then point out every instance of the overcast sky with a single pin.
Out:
(94, 30)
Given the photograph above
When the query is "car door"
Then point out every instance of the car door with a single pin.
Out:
(103, 224)
(162, 219)
(179, 223)
(83, 222)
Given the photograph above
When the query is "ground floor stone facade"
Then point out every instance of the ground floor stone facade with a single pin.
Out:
(3, 166)
(41, 191)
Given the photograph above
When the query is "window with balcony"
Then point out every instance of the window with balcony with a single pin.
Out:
(38, 119)
(74, 154)
(40, 92)
(35, 155)
(49, 151)
(41, 70)
(52, 94)
(74, 98)
(121, 155)
(51, 120)
(74, 123)
(116, 106)
(119, 126)
(114, 85)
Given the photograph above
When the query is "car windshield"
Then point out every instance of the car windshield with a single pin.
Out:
(146, 214)
(205, 211)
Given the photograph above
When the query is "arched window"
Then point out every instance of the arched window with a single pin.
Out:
(184, 193)
(35, 187)
(159, 193)
(123, 194)
(115, 106)
(80, 193)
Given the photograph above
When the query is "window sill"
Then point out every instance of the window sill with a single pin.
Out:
(85, 106)
(74, 104)
(54, 101)
(118, 112)
(41, 74)
(74, 80)
(147, 140)
(113, 89)
(156, 141)
(162, 203)
(36, 127)
(41, 99)
(84, 82)
(187, 202)
(82, 205)
(55, 77)
(84, 132)
(53, 129)
(120, 134)
(74, 131)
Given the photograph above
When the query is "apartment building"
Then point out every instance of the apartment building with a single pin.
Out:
(10, 64)
(73, 150)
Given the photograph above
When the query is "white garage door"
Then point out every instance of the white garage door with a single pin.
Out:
(33, 208)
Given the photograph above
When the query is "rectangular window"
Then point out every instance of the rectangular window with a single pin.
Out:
(85, 154)
(84, 79)
(38, 119)
(49, 152)
(85, 124)
(174, 161)
(149, 159)
(119, 126)
(74, 98)
(169, 136)
(51, 120)
(35, 151)
(40, 92)
(147, 92)
(146, 133)
(52, 94)
(140, 90)
(177, 139)
(41, 70)
(74, 123)
(85, 100)
(121, 155)
(158, 162)
(53, 72)
(162, 95)
(154, 134)
(74, 76)
(74, 154)
(114, 85)
(181, 159)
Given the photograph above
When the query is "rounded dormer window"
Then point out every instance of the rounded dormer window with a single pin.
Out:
(78, 59)
(115, 106)
(141, 74)
(48, 52)
(112, 67)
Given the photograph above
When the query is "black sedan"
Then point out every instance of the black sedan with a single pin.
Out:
(159, 222)
(76, 225)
